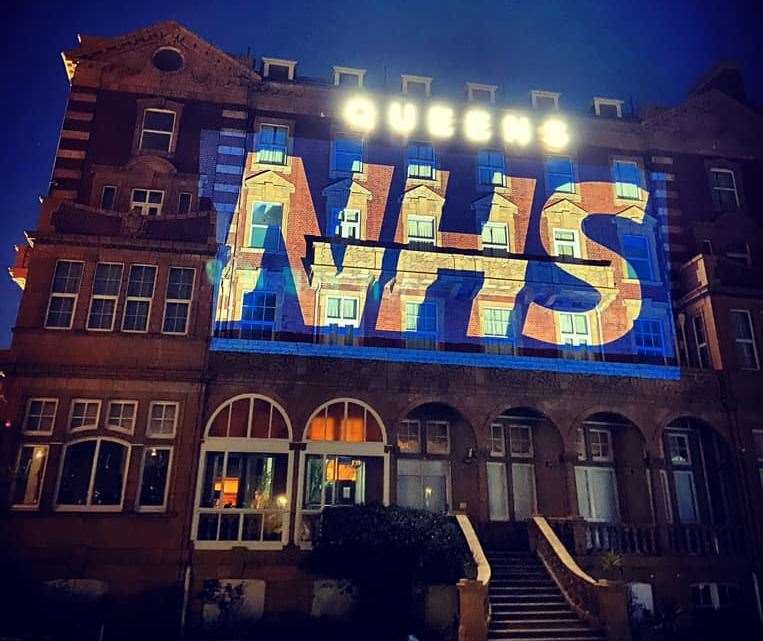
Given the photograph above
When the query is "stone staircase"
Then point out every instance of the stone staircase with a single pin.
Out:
(527, 605)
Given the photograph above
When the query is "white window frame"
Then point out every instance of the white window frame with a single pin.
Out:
(700, 317)
(129, 299)
(83, 428)
(74, 296)
(339, 227)
(112, 297)
(163, 506)
(252, 225)
(36, 504)
(341, 321)
(88, 507)
(509, 335)
(144, 206)
(667, 505)
(575, 338)
(723, 170)
(607, 434)
(747, 341)
(278, 62)
(41, 399)
(407, 79)
(500, 440)
(491, 245)
(620, 191)
(188, 301)
(190, 202)
(471, 87)
(348, 71)
(123, 403)
(536, 94)
(409, 423)
(574, 244)
(586, 471)
(103, 192)
(149, 433)
(609, 102)
(529, 431)
(429, 442)
(683, 437)
(421, 239)
(143, 130)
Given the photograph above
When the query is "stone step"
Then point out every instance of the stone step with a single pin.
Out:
(535, 612)
(545, 633)
(502, 636)
(500, 621)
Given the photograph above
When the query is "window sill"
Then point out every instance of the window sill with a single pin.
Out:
(88, 508)
(266, 166)
(229, 545)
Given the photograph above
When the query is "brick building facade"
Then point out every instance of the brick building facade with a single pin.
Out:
(243, 304)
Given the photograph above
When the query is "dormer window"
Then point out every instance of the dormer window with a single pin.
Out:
(416, 85)
(278, 69)
(608, 107)
(476, 92)
(349, 77)
(545, 100)
(157, 132)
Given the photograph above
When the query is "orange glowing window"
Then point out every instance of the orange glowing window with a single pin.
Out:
(344, 421)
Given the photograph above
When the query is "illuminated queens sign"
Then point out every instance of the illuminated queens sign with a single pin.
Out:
(478, 125)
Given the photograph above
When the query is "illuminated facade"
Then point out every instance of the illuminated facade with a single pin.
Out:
(252, 296)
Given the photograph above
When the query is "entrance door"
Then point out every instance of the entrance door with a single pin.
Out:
(523, 489)
(497, 491)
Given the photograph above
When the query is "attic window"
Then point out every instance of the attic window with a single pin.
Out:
(545, 100)
(278, 69)
(608, 107)
(168, 59)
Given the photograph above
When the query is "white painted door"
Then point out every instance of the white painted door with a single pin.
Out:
(523, 484)
(497, 491)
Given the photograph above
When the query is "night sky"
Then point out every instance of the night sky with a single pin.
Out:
(649, 52)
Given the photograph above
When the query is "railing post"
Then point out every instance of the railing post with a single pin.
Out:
(579, 535)
(472, 614)
(660, 501)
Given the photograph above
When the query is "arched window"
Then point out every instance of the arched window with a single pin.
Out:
(345, 420)
(344, 462)
(245, 476)
(93, 475)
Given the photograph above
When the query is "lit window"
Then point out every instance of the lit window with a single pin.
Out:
(520, 437)
(30, 472)
(700, 338)
(272, 145)
(421, 322)
(84, 415)
(560, 177)
(496, 322)
(744, 339)
(408, 436)
(438, 437)
(495, 236)
(421, 160)
(724, 189)
(184, 202)
(40, 415)
(178, 300)
(103, 303)
(267, 219)
(108, 197)
(341, 311)
(637, 260)
(121, 416)
(64, 291)
(93, 474)
(258, 315)
(147, 202)
(627, 179)
(648, 337)
(162, 419)
(348, 154)
(574, 330)
(566, 243)
(497, 440)
(345, 223)
(423, 484)
(154, 477)
(243, 495)
(491, 168)
(420, 230)
(158, 125)
(678, 449)
(600, 444)
(140, 292)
